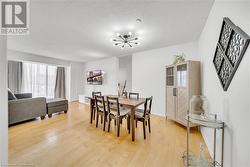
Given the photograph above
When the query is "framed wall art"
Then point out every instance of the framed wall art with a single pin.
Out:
(229, 52)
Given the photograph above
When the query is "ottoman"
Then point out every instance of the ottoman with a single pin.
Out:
(56, 105)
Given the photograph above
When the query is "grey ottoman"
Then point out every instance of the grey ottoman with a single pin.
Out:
(56, 105)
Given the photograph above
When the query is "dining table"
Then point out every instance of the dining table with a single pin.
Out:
(130, 103)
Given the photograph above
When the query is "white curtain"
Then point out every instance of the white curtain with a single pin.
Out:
(51, 78)
(39, 79)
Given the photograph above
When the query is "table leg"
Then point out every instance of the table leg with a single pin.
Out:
(132, 123)
(91, 110)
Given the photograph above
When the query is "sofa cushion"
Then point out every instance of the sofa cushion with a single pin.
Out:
(56, 102)
(23, 95)
(11, 95)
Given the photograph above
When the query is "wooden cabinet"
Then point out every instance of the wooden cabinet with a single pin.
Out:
(182, 82)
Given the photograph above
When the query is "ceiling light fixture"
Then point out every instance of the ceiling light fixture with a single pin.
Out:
(138, 20)
(126, 39)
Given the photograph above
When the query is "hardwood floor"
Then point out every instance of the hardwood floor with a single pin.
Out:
(70, 140)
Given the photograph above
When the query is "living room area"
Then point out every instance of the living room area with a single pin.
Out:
(125, 83)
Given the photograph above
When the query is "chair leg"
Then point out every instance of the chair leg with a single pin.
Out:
(104, 123)
(109, 124)
(144, 132)
(149, 128)
(106, 118)
(93, 114)
(128, 124)
(136, 123)
(97, 117)
(115, 122)
(101, 119)
(118, 127)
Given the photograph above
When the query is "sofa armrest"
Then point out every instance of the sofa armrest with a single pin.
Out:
(25, 109)
(23, 95)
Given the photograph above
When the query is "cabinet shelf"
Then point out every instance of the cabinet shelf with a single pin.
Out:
(194, 161)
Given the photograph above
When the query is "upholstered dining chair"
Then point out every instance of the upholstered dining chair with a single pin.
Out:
(143, 115)
(101, 110)
(116, 113)
(133, 95)
(94, 107)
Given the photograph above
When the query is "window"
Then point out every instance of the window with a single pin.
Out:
(39, 79)
(182, 75)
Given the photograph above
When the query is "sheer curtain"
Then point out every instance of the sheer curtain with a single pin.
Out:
(51, 81)
(39, 79)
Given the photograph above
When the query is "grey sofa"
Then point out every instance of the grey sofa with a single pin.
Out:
(23, 107)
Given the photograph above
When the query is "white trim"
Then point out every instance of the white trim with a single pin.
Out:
(3, 102)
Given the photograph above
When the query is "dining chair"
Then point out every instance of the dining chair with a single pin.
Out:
(116, 113)
(133, 95)
(101, 110)
(143, 115)
(125, 94)
(96, 93)
(94, 107)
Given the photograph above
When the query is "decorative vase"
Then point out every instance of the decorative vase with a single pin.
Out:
(197, 104)
(204, 104)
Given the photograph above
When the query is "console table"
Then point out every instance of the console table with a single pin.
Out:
(209, 121)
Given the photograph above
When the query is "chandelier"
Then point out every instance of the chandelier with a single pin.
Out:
(126, 39)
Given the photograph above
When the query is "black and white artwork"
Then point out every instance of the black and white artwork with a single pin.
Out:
(230, 49)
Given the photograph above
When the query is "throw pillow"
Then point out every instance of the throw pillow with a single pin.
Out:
(11, 95)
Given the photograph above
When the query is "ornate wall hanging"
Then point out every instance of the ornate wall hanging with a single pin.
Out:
(230, 49)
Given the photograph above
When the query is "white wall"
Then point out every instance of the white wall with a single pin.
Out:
(77, 80)
(125, 71)
(233, 105)
(68, 82)
(110, 67)
(21, 56)
(148, 74)
(3, 103)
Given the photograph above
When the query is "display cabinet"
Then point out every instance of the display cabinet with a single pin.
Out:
(182, 82)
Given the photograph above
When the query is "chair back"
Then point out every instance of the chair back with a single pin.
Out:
(96, 93)
(133, 95)
(125, 94)
(113, 105)
(100, 104)
(147, 106)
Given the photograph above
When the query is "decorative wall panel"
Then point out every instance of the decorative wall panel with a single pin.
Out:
(230, 49)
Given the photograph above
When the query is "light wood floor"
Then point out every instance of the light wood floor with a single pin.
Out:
(70, 140)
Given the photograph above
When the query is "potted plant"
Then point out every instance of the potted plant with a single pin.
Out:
(179, 58)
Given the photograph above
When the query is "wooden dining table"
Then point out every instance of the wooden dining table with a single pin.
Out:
(131, 103)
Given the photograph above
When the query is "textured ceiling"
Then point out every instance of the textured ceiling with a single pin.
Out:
(81, 30)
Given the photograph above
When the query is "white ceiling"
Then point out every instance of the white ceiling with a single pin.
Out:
(81, 30)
